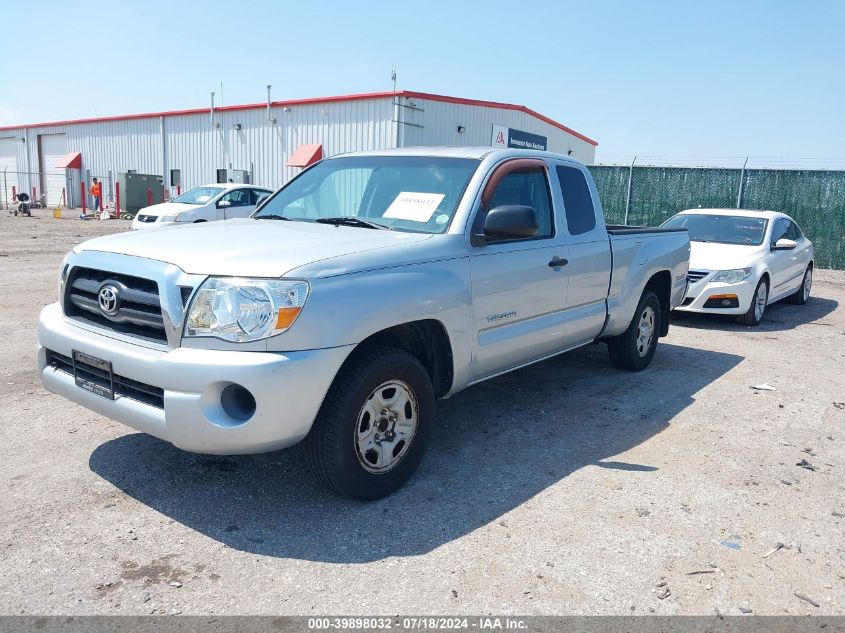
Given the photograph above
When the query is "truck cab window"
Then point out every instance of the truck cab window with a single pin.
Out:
(580, 212)
(527, 188)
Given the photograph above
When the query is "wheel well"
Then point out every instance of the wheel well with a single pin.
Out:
(428, 341)
(661, 284)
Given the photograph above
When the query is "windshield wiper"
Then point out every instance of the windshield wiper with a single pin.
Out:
(351, 220)
(271, 216)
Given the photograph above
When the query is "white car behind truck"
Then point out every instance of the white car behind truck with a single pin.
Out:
(203, 204)
(741, 261)
(359, 293)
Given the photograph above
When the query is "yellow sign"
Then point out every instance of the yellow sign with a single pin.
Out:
(57, 213)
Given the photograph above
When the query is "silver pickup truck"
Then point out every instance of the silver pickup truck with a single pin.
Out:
(355, 296)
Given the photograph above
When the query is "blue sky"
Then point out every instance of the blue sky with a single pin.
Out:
(659, 79)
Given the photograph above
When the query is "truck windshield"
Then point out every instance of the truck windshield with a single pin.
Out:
(722, 229)
(198, 195)
(406, 193)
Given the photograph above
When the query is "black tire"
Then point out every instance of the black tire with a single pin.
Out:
(332, 444)
(198, 221)
(750, 318)
(802, 295)
(626, 350)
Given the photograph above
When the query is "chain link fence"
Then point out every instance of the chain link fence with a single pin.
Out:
(649, 195)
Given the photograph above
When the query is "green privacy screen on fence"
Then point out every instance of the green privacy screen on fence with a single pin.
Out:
(816, 199)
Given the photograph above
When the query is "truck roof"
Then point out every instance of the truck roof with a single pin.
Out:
(746, 213)
(455, 151)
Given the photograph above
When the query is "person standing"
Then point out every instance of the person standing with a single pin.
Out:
(96, 191)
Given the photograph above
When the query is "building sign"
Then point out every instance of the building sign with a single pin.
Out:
(508, 137)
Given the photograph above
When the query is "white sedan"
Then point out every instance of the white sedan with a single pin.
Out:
(203, 204)
(741, 261)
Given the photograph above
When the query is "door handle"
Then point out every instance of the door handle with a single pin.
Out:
(557, 262)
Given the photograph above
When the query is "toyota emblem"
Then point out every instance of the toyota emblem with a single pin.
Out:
(108, 299)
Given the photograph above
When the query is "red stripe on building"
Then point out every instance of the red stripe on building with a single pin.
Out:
(295, 102)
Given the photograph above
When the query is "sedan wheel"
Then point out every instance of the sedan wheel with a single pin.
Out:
(802, 294)
(758, 305)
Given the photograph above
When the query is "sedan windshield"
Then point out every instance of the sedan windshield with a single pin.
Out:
(722, 229)
(199, 195)
(406, 193)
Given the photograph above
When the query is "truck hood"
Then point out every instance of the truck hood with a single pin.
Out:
(246, 247)
(713, 256)
(167, 208)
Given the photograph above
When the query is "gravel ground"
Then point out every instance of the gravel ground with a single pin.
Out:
(565, 488)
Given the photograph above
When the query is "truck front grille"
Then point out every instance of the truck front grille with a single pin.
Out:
(142, 392)
(138, 310)
(147, 218)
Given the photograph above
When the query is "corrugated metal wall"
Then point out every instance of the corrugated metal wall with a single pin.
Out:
(196, 148)
(189, 142)
(439, 123)
(816, 199)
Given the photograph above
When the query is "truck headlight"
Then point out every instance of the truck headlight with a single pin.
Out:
(169, 218)
(733, 276)
(239, 309)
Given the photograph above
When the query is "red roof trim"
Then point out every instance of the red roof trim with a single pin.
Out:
(500, 106)
(293, 102)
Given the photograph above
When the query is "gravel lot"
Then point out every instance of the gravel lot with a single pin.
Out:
(565, 488)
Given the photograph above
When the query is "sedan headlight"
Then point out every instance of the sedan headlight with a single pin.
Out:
(169, 218)
(239, 309)
(733, 276)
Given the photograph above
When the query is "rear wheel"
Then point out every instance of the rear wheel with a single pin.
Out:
(634, 348)
(372, 430)
(802, 295)
(758, 305)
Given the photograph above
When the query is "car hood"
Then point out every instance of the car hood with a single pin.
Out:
(713, 256)
(167, 208)
(246, 247)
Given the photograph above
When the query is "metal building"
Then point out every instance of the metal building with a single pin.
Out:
(264, 144)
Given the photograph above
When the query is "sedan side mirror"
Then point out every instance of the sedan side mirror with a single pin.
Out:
(510, 222)
(222, 204)
(784, 244)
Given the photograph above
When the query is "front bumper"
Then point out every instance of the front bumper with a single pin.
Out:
(288, 388)
(137, 225)
(699, 292)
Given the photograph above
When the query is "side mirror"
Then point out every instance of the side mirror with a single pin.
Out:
(261, 199)
(223, 204)
(510, 222)
(784, 244)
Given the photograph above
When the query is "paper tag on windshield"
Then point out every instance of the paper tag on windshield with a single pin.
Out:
(416, 207)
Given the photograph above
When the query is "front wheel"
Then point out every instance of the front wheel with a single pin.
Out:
(634, 348)
(755, 311)
(372, 430)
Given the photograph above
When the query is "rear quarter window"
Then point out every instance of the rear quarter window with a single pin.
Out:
(580, 213)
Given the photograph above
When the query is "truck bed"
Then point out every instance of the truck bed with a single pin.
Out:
(623, 229)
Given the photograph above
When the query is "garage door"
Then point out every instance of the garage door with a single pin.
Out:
(52, 149)
(8, 169)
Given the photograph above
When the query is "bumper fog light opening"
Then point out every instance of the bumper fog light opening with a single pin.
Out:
(237, 402)
(722, 301)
